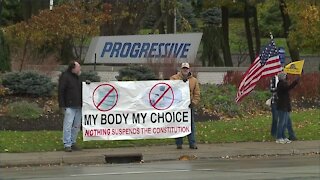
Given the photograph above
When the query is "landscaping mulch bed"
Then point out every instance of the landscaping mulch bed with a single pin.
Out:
(46, 122)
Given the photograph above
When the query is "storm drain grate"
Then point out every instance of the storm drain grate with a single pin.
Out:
(123, 158)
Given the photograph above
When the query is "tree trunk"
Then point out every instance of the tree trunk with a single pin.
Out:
(159, 24)
(170, 17)
(294, 52)
(24, 53)
(211, 46)
(225, 31)
(66, 54)
(248, 31)
(4, 54)
(256, 31)
(0, 10)
(33, 7)
(26, 9)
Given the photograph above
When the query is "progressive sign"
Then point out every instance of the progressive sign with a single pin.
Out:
(141, 48)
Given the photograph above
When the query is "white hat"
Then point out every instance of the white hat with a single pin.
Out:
(185, 65)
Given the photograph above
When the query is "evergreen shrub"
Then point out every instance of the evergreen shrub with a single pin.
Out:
(90, 75)
(28, 83)
(136, 73)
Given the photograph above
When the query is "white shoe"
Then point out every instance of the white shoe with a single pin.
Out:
(280, 141)
(287, 140)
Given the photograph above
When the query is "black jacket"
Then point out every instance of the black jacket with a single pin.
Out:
(70, 90)
(284, 101)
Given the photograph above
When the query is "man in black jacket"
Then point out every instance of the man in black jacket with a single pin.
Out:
(70, 101)
(284, 108)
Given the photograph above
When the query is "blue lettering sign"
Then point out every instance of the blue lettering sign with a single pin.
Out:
(185, 50)
(107, 48)
(135, 50)
(145, 50)
(159, 55)
(116, 49)
(152, 49)
(125, 50)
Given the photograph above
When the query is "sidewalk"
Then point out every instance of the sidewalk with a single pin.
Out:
(160, 153)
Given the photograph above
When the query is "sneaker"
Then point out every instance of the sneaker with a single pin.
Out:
(293, 139)
(193, 147)
(280, 141)
(179, 146)
(75, 148)
(287, 140)
(67, 149)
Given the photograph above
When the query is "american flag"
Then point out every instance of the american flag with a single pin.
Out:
(265, 65)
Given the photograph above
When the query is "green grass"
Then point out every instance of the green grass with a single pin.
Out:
(306, 125)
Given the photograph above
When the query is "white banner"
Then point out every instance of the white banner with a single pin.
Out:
(135, 110)
(140, 48)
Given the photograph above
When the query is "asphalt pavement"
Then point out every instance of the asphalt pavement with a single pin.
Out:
(160, 153)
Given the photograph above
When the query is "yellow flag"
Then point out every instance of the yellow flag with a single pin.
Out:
(294, 67)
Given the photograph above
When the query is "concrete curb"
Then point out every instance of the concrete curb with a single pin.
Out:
(160, 153)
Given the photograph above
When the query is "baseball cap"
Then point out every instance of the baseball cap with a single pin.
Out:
(185, 65)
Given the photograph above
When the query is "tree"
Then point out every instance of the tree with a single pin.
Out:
(256, 30)
(10, 12)
(248, 30)
(186, 20)
(294, 52)
(32, 7)
(212, 38)
(127, 16)
(224, 4)
(270, 19)
(1, 4)
(305, 33)
(68, 23)
(225, 33)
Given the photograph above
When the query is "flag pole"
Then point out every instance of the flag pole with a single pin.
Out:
(271, 36)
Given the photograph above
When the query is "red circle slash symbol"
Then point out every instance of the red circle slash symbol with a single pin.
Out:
(105, 97)
(161, 96)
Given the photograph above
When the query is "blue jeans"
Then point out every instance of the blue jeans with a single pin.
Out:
(71, 126)
(275, 118)
(283, 118)
(191, 136)
(289, 127)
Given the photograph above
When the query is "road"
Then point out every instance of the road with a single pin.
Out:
(272, 167)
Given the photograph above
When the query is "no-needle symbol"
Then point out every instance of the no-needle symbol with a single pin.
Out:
(161, 96)
(105, 97)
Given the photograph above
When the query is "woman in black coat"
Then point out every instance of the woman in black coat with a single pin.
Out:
(284, 107)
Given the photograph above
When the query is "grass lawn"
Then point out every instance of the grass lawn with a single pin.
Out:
(306, 125)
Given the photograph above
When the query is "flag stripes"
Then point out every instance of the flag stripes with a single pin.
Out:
(256, 72)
